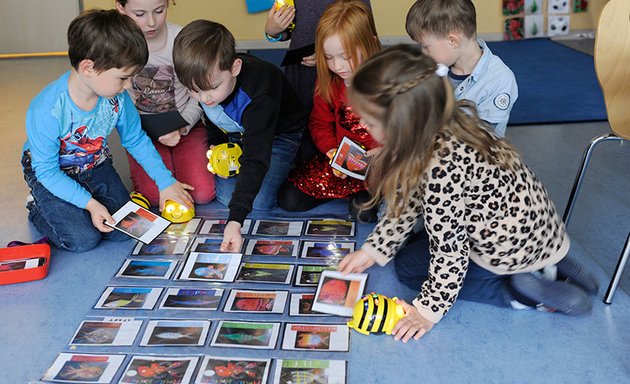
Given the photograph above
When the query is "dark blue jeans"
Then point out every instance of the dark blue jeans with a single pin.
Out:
(282, 156)
(480, 285)
(66, 225)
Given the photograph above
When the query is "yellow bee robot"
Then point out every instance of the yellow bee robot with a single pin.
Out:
(376, 313)
(223, 159)
(173, 211)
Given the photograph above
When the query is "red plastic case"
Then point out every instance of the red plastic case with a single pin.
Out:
(20, 253)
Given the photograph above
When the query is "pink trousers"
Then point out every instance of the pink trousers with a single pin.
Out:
(188, 163)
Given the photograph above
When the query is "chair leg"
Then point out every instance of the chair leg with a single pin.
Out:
(614, 281)
(582, 171)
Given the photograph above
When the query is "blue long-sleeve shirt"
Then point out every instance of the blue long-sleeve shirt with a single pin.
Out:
(64, 139)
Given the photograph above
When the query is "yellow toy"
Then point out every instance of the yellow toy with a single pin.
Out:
(223, 159)
(176, 212)
(282, 3)
(376, 313)
(139, 199)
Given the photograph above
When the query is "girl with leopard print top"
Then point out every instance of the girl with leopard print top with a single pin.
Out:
(490, 225)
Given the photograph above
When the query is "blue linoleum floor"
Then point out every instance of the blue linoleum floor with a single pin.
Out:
(475, 343)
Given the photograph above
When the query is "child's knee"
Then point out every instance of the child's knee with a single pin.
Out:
(203, 195)
(79, 241)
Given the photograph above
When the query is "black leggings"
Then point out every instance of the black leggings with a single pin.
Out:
(291, 199)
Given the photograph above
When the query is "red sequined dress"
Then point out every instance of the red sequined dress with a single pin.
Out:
(328, 124)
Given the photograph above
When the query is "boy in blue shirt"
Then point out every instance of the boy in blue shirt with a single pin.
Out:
(66, 160)
(447, 31)
(246, 101)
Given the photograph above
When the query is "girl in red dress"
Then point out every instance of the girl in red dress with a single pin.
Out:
(346, 36)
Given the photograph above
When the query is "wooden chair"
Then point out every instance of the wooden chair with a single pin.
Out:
(612, 58)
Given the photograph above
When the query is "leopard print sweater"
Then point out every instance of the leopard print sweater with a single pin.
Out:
(501, 219)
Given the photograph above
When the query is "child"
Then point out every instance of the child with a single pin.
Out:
(246, 101)
(346, 36)
(489, 221)
(446, 29)
(66, 161)
(299, 62)
(165, 105)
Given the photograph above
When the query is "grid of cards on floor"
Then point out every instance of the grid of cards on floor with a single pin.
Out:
(168, 286)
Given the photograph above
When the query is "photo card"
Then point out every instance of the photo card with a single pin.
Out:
(216, 227)
(272, 247)
(351, 159)
(219, 267)
(287, 228)
(233, 370)
(83, 368)
(318, 371)
(114, 331)
(128, 298)
(301, 304)
(175, 333)
(192, 299)
(337, 293)
(152, 369)
(147, 269)
(163, 245)
(139, 223)
(330, 228)
(181, 229)
(327, 250)
(246, 334)
(316, 337)
(309, 275)
(207, 245)
(265, 273)
(256, 301)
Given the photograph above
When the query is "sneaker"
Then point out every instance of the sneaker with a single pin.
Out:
(549, 296)
(571, 271)
(29, 201)
(362, 215)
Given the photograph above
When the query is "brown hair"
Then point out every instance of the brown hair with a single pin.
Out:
(108, 38)
(441, 17)
(199, 47)
(124, 2)
(353, 22)
(399, 87)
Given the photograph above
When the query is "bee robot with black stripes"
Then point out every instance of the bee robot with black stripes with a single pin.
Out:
(376, 313)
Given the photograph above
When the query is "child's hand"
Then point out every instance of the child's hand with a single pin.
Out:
(177, 192)
(99, 214)
(171, 139)
(330, 154)
(309, 61)
(355, 262)
(279, 19)
(412, 325)
(232, 239)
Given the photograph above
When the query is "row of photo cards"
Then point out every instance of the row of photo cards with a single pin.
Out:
(317, 249)
(223, 268)
(326, 227)
(123, 332)
(336, 294)
(102, 369)
(145, 226)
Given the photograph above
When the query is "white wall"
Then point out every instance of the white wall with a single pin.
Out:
(28, 26)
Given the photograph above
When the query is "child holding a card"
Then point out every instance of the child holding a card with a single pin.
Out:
(66, 162)
(169, 115)
(296, 21)
(346, 35)
(490, 223)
